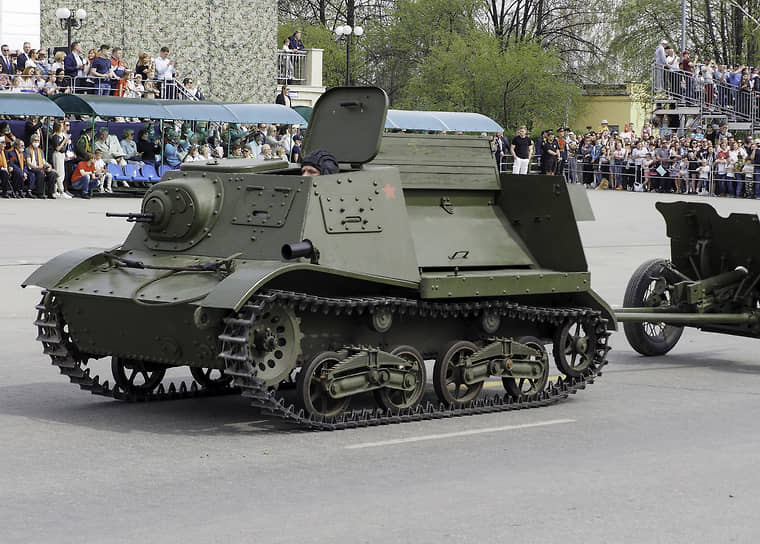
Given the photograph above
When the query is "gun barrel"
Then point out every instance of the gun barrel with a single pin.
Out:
(134, 217)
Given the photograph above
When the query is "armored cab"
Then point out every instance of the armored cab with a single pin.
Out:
(710, 282)
(256, 277)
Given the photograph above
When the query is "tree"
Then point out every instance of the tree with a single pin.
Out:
(514, 86)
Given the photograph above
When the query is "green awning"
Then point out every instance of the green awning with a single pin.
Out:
(305, 112)
(265, 113)
(195, 110)
(28, 104)
(111, 106)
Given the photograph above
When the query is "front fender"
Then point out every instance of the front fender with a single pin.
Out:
(65, 265)
(250, 277)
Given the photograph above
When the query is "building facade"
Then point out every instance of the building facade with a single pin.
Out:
(228, 45)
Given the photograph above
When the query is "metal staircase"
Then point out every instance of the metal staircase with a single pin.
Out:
(672, 95)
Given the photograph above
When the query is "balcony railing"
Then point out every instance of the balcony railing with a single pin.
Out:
(291, 67)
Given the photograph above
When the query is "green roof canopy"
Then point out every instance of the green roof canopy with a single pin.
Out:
(28, 104)
(185, 110)
(265, 113)
(111, 106)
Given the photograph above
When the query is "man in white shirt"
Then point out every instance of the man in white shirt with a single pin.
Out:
(165, 72)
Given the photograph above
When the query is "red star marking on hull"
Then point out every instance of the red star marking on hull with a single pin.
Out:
(390, 191)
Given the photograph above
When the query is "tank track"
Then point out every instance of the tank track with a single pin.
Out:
(237, 330)
(56, 343)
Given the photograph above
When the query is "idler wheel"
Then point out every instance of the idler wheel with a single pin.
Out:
(136, 376)
(649, 338)
(311, 390)
(529, 387)
(210, 378)
(448, 374)
(574, 348)
(396, 399)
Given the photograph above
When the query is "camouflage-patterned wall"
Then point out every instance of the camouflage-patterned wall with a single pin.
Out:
(228, 45)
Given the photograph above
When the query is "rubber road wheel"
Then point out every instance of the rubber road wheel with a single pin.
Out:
(395, 399)
(210, 378)
(136, 376)
(312, 395)
(648, 338)
(448, 379)
(529, 387)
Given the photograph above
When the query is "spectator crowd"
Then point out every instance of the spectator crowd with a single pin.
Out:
(710, 161)
(53, 161)
(100, 71)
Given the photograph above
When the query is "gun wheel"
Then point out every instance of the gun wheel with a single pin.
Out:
(574, 348)
(529, 387)
(136, 376)
(210, 378)
(649, 338)
(448, 374)
(396, 399)
(311, 391)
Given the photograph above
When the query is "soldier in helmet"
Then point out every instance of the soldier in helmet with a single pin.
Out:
(319, 163)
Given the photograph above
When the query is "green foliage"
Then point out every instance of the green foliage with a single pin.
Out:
(519, 85)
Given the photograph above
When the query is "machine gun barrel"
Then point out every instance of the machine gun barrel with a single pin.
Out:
(134, 217)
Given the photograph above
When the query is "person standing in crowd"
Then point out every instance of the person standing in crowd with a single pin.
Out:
(73, 65)
(6, 64)
(550, 158)
(100, 70)
(283, 98)
(659, 63)
(671, 71)
(117, 67)
(143, 65)
(165, 73)
(539, 149)
(295, 41)
(23, 57)
(501, 150)
(32, 126)
(59, 143)
(85, 143)
(522, 151)
(687, 67)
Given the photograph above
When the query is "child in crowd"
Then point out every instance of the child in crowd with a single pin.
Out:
(704, 178)
(101, 173)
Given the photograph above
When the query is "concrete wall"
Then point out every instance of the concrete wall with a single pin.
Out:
(228, 45)
(617, 109)
(19, 23)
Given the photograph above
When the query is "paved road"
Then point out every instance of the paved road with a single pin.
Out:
(659, 450)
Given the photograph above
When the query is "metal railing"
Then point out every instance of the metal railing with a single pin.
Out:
(629, 176)
(31, 83)
(291, 66)
(715, 99)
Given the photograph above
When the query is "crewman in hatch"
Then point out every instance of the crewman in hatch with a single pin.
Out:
(319, 163)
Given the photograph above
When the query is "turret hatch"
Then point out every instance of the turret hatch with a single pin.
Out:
(348, 122)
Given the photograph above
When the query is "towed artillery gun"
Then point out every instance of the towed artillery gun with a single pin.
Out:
(711, 281)
(255, 276)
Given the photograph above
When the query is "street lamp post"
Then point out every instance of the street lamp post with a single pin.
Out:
(344, 33)
(70, 20)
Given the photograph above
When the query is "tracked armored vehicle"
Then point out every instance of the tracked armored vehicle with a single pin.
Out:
(256, 277)
(711, 282)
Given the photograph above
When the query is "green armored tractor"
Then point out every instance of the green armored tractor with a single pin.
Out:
(257, 277)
